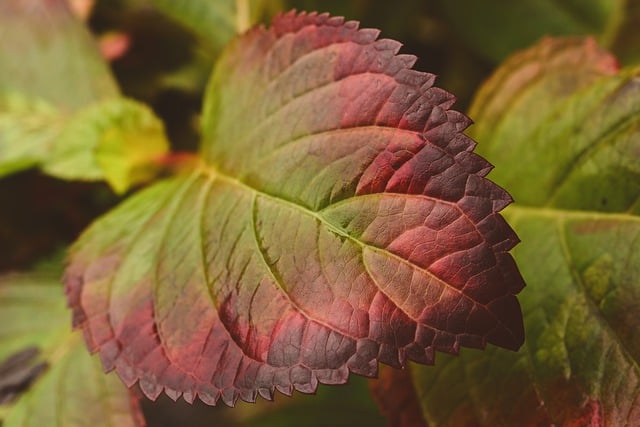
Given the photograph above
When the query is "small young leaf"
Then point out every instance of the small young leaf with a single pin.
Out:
(59, 106)
(117, 140)
(578, 192)
(46, 376)
(338, 219)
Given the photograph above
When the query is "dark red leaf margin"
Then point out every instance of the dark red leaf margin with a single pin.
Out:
(439, 164)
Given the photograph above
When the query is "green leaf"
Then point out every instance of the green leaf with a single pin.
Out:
(118, 140)
(59, 106)
(578, 122)
(495, 28)
(46, 375)
(216, 22)
(337, 218)
(47, 54)
(574, 169)
(28, 128)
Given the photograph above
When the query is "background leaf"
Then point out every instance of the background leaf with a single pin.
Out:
(115, 140)
(497, 28)
(579, 130)
(349, 224)
(216, 22)
(52, 380)
(396, 397)
(63, 111)
(35, 40)
(628, 36)
(577, 191)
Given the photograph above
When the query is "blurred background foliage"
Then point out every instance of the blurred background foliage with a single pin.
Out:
(162, 52)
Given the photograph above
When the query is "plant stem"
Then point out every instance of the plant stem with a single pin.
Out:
(243, 16)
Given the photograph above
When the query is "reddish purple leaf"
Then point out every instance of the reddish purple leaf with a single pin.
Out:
(338, 219)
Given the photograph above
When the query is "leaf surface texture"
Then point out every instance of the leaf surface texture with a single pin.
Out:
(338, 218)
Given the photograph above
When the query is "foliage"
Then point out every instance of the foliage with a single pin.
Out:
(334, 215)
(577, 188)
(37, 345)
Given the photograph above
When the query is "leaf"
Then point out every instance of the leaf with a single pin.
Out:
(581, 137)
(59, 62)
(338, 218)
(47, 365)
(396, 397)
(28, 128)
(59, 106)
(538, 76)
(117, 140)
(496, 29)
(215, 22)
(577, 214)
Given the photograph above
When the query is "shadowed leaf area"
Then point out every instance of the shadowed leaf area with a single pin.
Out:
(46, 376)
(496, 28)
(575, 174)
(336, 218)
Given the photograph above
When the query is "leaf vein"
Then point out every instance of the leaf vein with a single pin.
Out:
(599, 140)
(278, 281)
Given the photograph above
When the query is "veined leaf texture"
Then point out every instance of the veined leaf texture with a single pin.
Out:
(338, 218)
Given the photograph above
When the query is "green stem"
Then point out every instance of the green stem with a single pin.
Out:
(243, 16)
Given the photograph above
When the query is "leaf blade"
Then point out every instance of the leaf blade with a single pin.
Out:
(269, 283)
(47, 32)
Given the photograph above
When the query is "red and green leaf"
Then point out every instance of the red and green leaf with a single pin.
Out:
(337, 218)
(572, 163)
